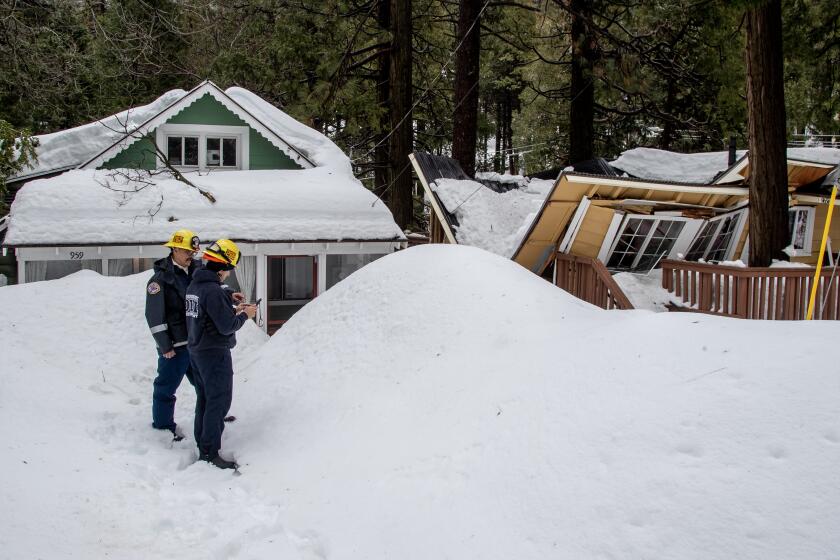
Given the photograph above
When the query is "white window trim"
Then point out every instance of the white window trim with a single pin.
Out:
(680, 244)
(809, 231)
(574, 226)
(736, 234)
(203, 131)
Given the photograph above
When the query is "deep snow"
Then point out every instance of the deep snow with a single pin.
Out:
(442, 402)
(102, 206)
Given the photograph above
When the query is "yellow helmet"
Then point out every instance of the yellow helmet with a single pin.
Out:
(183, 239)
(223, 251)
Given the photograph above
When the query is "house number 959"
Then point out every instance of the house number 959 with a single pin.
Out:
(77, 255)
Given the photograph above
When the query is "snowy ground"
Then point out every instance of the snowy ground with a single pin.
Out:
(442, 402)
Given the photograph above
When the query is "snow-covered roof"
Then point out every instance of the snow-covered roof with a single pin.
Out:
(662, 165)
(92, 144)
(487, 219)
(704, 167)
(72, 147)
(276, 205)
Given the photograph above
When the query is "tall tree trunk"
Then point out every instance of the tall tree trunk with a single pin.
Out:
(400, 199)
(381, 155)
(768, 157)
(582, 91)
(499, 155)
(667, 136)
(465, 117)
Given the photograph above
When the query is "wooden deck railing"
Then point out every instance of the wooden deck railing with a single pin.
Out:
(751, 293)
(589, 280)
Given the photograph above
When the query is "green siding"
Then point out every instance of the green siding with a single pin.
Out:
(265, 155)
(140, 155)
(207, 111)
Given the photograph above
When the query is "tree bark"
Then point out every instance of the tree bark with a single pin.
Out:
(381, 164)
(465, 116)
(582, 90)
(400, 199)
(769, 233)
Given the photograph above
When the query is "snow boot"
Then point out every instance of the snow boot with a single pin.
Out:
(177, 434)
(217, 461)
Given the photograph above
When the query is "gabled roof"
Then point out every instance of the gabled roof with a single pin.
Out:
(205, 88)
(571, 188)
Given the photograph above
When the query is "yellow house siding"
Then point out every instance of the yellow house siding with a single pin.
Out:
(592, 231)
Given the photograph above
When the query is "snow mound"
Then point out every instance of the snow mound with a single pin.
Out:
(487, 219)
(440, 402)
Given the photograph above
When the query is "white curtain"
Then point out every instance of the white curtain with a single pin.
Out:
(120, 267)
(246, 274)
(35, 271)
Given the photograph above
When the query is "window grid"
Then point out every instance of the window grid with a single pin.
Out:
(643, 241)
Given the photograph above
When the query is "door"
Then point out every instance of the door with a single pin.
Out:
(292, 283)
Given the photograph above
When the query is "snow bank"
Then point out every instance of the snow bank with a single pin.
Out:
(440, 402)
(830, 156)
(317, 203)
(662, 165)
(492, 221)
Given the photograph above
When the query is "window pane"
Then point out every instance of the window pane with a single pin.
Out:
(299, 278)
(229, 152)
(701, 242)
(798, 225)
(340, 267)
(190, 151)
(720, 246)
(173, 150)
(214, 155)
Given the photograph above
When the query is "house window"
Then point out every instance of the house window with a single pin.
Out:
(182, 150)
(801, 227)
(221, 152)
(205, 147)
(292, 282)
(644, 241)
(716, 238)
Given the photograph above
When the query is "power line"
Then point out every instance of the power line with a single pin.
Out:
(422, 95)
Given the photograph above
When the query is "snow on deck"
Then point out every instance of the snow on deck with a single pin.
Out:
(441, 402)
(492, 221)
(313, 204)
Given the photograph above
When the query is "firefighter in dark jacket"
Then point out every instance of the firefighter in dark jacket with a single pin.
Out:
(212, 321)
(165, 294)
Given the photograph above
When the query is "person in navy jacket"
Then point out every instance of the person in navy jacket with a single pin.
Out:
(165, 293)
(212, 322)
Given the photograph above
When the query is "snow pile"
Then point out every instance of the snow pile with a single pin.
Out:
(317, 147)
(505, 420)
(72, 147)
(662, 165)
(492, 221)
(278, 205)
(504, 178)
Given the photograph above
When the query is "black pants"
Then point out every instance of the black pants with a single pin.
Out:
(213, 374)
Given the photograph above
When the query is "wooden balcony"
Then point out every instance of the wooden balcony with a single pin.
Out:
(589, 280)
(751, 293)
